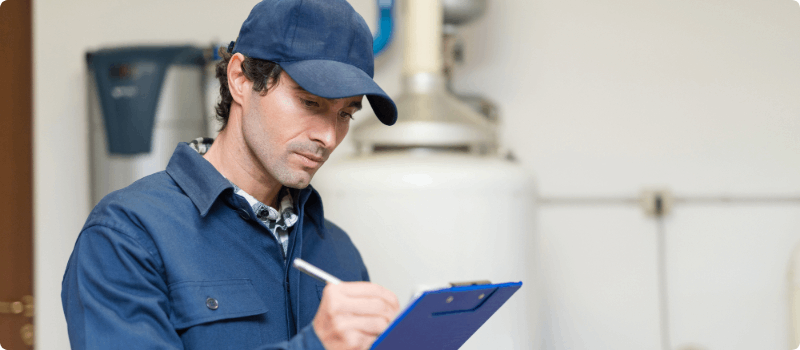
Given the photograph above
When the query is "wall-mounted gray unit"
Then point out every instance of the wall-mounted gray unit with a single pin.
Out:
(143, 101)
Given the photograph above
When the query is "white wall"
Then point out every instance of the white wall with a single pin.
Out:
(599, 98)
(605, 98)
(602, 97)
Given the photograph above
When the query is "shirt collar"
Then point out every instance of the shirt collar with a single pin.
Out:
(201, 182)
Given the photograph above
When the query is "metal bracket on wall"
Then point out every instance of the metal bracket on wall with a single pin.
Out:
(656, 202)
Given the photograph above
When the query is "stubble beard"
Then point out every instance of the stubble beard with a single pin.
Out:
(283, 173)
(276, 165)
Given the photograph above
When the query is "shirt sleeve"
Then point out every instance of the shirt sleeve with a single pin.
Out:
(114, 293)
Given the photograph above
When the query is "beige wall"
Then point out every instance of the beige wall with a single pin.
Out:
(698, 95)
(599, 98)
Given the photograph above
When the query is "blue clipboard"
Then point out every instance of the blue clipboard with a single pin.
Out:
(444, 319)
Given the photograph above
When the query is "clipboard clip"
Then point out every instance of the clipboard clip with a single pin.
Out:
(469, 283)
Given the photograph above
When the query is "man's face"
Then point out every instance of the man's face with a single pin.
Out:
(291, 132)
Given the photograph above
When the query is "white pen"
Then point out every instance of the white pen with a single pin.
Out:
(314, 271)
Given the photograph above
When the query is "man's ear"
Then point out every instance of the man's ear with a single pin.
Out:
(238, 84)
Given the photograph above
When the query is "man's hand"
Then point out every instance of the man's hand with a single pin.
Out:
(351, 315)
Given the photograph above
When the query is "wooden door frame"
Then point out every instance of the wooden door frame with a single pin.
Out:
(16, 165)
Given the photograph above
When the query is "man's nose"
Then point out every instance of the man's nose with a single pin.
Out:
(324, 129)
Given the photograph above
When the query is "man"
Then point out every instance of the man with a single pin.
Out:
(198, 256)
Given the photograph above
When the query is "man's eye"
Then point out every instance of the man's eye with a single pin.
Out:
(346, 115)
(309, 103)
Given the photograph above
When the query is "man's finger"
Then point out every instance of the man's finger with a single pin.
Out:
(368, 325)
(367, 307)
(367, 290)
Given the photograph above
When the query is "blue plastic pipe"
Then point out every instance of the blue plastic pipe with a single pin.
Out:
(381, 39)
(385, 27)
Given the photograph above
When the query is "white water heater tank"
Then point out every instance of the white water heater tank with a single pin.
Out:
(428, 201)
(420, 220)
(143, 101)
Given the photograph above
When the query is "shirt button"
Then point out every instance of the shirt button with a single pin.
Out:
(212, 303)
(243, 213)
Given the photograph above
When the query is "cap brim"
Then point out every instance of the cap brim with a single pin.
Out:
(331, 79)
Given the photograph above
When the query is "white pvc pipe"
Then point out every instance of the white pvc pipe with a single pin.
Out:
(423, 37)
(794, 294)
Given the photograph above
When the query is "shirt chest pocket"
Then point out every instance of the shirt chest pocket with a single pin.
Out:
(217, 314)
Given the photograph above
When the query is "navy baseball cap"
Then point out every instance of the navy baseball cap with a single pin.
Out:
(324, 45)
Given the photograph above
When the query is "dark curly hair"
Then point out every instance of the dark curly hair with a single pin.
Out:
(260, 72)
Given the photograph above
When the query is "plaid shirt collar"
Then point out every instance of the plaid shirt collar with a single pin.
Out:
(274, 219)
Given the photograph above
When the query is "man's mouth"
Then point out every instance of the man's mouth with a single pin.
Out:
(311, 160)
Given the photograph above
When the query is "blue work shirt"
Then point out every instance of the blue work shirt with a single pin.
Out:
(178, 261)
